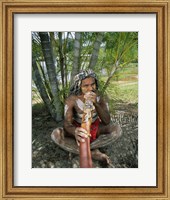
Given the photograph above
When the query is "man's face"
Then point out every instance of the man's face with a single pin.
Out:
(88, 85)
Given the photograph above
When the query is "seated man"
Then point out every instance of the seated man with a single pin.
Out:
(103, 132)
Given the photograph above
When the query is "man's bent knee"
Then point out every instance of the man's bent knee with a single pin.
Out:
(57, 135)
(116, 131)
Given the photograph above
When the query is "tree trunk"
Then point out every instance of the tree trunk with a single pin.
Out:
(53, 46)
(46, 81)
(77, 50)
(65, 58)
(61, 60)
(96, 49)
(48, 56)
(41, 88)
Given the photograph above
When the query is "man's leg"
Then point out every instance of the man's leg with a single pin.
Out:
(106, 135)
(112, 133)
(67, 143)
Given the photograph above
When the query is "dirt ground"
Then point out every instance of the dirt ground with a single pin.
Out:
(123, 152)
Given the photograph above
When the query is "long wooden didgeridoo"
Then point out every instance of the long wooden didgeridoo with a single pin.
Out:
(84, 148)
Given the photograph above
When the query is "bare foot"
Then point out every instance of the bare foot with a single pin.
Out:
(97, 155)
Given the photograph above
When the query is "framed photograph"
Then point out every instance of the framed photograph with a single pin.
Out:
(23, 26)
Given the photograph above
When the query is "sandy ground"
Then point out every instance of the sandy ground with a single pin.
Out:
(123, 153)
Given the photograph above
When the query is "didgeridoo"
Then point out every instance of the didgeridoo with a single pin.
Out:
(84, 148)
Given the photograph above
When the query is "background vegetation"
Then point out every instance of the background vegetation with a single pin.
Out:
(58, 56)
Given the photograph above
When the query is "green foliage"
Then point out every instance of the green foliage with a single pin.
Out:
(123, 86)
(118, 49)
(38, 106)
(36, 98)
(117, 65)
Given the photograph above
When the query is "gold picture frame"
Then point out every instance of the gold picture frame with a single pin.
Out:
(8, 9)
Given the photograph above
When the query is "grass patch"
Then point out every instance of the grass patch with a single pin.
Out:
(124, 73)
(125, 93)
(123, 86)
